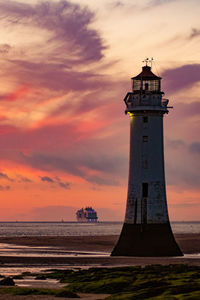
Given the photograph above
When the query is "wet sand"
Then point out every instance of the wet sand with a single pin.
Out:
(189, 244)
(75, 243)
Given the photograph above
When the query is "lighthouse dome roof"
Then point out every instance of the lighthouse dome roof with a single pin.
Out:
(146, 74)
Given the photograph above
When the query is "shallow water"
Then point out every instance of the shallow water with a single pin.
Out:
(79, 229)
(31, 282)
(40, 251)
(11, 271)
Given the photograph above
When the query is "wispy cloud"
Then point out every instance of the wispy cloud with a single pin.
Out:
(153, 3)
(194, 33)
(67, 22)
(18, 94)
(79, 164)
(57, 72)
(5, 48)
(61, 61)
(57, 181)
(23, 179)
(46, 178)
(136, 6)
(181, 77)
(5, 176)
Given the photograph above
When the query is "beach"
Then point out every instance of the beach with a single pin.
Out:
(93, 251)
(74, 253)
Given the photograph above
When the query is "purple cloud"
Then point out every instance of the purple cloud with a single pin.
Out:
(73, 163)
(187, 109)
(23, 179)
(47, 179)
(142, 5)
(181, 78)
(102, 180)
(69, 44)
(5, 176)
(55, 76)
(195, 148)
(184, 111)
(67, 22)
(184, 170)
(62, 148)
(195, 33)
(153, 3)
(65, 185)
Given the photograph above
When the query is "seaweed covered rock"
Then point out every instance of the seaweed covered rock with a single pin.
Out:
(40, 277)
(8, 281)
(66, 293)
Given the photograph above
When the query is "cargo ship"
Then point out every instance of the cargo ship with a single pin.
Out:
(87, 214)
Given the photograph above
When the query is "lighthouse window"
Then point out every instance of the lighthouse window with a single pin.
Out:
(145, 119)
(145, 190)
(145, 138)
(145, 163)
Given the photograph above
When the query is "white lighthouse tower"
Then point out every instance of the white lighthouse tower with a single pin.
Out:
(146, 230)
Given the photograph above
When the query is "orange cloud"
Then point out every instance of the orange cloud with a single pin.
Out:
(19, 93)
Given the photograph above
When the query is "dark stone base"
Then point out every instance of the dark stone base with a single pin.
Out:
(146, 240)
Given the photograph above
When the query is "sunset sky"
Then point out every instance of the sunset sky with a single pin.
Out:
(65, 69)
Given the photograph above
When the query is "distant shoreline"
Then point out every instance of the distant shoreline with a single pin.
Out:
(63, 221)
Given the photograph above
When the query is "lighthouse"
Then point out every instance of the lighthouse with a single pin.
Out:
(146, 230)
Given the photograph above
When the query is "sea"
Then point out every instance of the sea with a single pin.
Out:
(8, 229)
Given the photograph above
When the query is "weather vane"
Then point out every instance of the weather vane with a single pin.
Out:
(148, 61)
